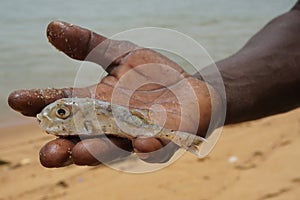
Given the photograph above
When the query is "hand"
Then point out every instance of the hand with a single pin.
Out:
(123, 60)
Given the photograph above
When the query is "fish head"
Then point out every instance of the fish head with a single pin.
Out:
(64, 117)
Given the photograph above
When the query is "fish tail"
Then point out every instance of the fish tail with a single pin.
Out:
(188, 141)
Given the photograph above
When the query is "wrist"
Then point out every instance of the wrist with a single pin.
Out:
(211, 106)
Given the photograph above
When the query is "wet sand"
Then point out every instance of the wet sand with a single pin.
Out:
(255, 160)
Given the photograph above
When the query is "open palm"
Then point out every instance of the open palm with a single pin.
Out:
(137, 77)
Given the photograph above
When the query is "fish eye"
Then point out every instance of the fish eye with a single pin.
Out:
(63, 113)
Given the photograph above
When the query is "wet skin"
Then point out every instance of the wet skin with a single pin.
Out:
(261, 79)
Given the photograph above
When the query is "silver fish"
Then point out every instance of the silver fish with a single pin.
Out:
(87, 116)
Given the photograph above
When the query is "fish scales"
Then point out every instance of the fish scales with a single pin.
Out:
(86, 116)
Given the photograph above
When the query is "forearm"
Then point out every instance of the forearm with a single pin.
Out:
(257, 88)
(263, 78)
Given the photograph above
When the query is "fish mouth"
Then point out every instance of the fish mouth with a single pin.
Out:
(39, 118)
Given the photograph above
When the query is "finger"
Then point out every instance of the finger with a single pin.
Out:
(78, 43)
(31, 102)
(95, 151)
(56, 153)
(153, 150)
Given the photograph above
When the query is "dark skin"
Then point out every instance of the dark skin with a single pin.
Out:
(261, 79)
(80, 43)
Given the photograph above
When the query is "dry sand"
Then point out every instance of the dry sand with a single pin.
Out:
(267, 167)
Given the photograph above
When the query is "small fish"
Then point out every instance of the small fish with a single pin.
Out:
(87, 116)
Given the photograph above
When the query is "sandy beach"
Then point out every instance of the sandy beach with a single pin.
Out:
(255, 160)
